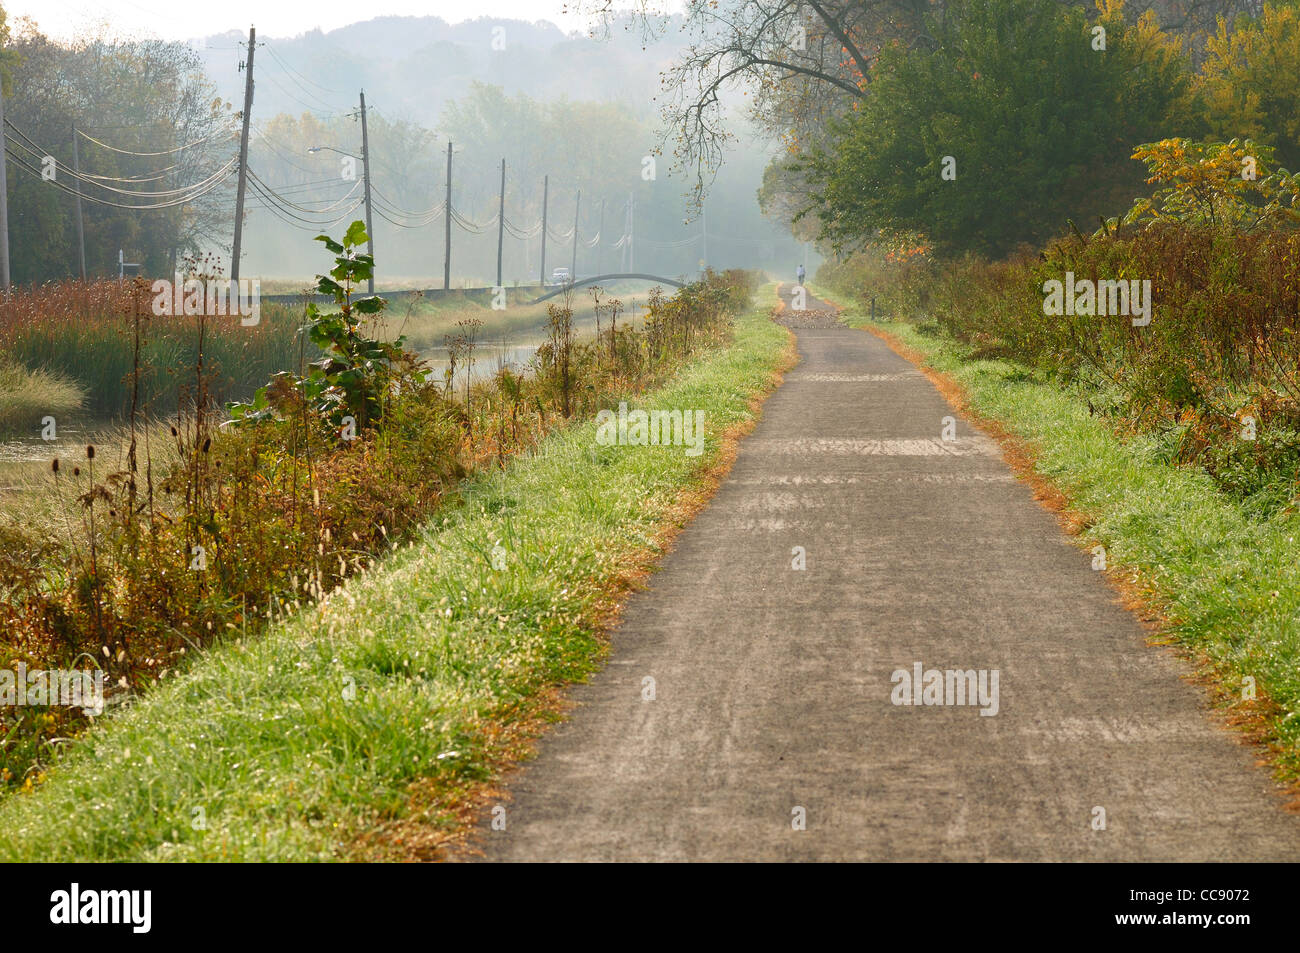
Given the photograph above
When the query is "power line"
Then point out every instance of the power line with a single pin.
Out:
(98, 201)
(266, 140)
(305, 105)
(393, 207)
(132, 179)
(40, 154)
(127, 152)
(254, 176)
(310, 226)
(270, 49)
(281, 211)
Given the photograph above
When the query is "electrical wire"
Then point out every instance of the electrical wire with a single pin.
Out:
(254, 176)
(305, 105)
(276, 200)
(267, 141)
(131, 179)
(523, 234)
(270, 49)
(677, 244)
(397, 210)
(39, 153)
(280, 211)
(22, 163)
(127, 152)
(270, 197)
(310, 226)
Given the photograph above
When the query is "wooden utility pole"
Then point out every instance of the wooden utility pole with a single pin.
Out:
(501, 223)
(4, 205)
(446, 259)
(704, 230)
(365, 170)
(546, 191)
(600, 236)
(577, 203)
(81, 227)
(243, 157)
(629, 223)
(622, 255)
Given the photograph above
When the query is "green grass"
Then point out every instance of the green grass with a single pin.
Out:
(1228, 583)
(26, 396)
(98, 354)
(294, 744)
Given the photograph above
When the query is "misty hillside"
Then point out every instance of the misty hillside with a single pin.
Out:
(577, 111)
(413, 66)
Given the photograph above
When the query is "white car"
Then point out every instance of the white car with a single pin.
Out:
(560, 276)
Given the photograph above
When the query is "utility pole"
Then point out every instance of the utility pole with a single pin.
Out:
(631, 231)
(365, 170)
(627, 213)
(600, 236)
(704, 220)
(577, 204)
(546, 193)
(446, 219)
(81, 228)
(501, 222)
(4, 205)
(247, 66)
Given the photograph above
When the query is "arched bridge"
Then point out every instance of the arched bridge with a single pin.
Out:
(595, 279)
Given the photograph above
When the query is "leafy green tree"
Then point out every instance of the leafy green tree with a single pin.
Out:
(1251, 81)
(1234, 184)
(1017, 120)
(144, 99)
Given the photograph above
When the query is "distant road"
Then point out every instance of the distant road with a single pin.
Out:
(773, 685)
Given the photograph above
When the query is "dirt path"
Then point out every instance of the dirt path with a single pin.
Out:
(774, 687)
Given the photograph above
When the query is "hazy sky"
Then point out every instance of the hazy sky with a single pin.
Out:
(185, 20)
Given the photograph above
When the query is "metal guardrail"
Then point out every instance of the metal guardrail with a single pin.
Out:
(402, 293)
(487, 291)
(623, 277)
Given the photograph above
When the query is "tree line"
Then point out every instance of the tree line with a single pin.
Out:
(973, 125)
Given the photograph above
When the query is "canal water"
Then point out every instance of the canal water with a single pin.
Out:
(492, 352)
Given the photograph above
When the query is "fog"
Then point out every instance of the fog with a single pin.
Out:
(568, 114)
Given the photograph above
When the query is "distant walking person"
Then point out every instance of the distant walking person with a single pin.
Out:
(800, 273)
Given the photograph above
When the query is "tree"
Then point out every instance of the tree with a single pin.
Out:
(798, 63)
(1016, 120)
(1251, 81)
(135, 97)
(1234, 184)
(796, 66)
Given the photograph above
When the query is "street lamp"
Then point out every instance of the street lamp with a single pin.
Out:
(314, 149)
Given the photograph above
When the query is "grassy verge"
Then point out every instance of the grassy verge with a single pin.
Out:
(27, 396)
(386, 706)
(1226, 583)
